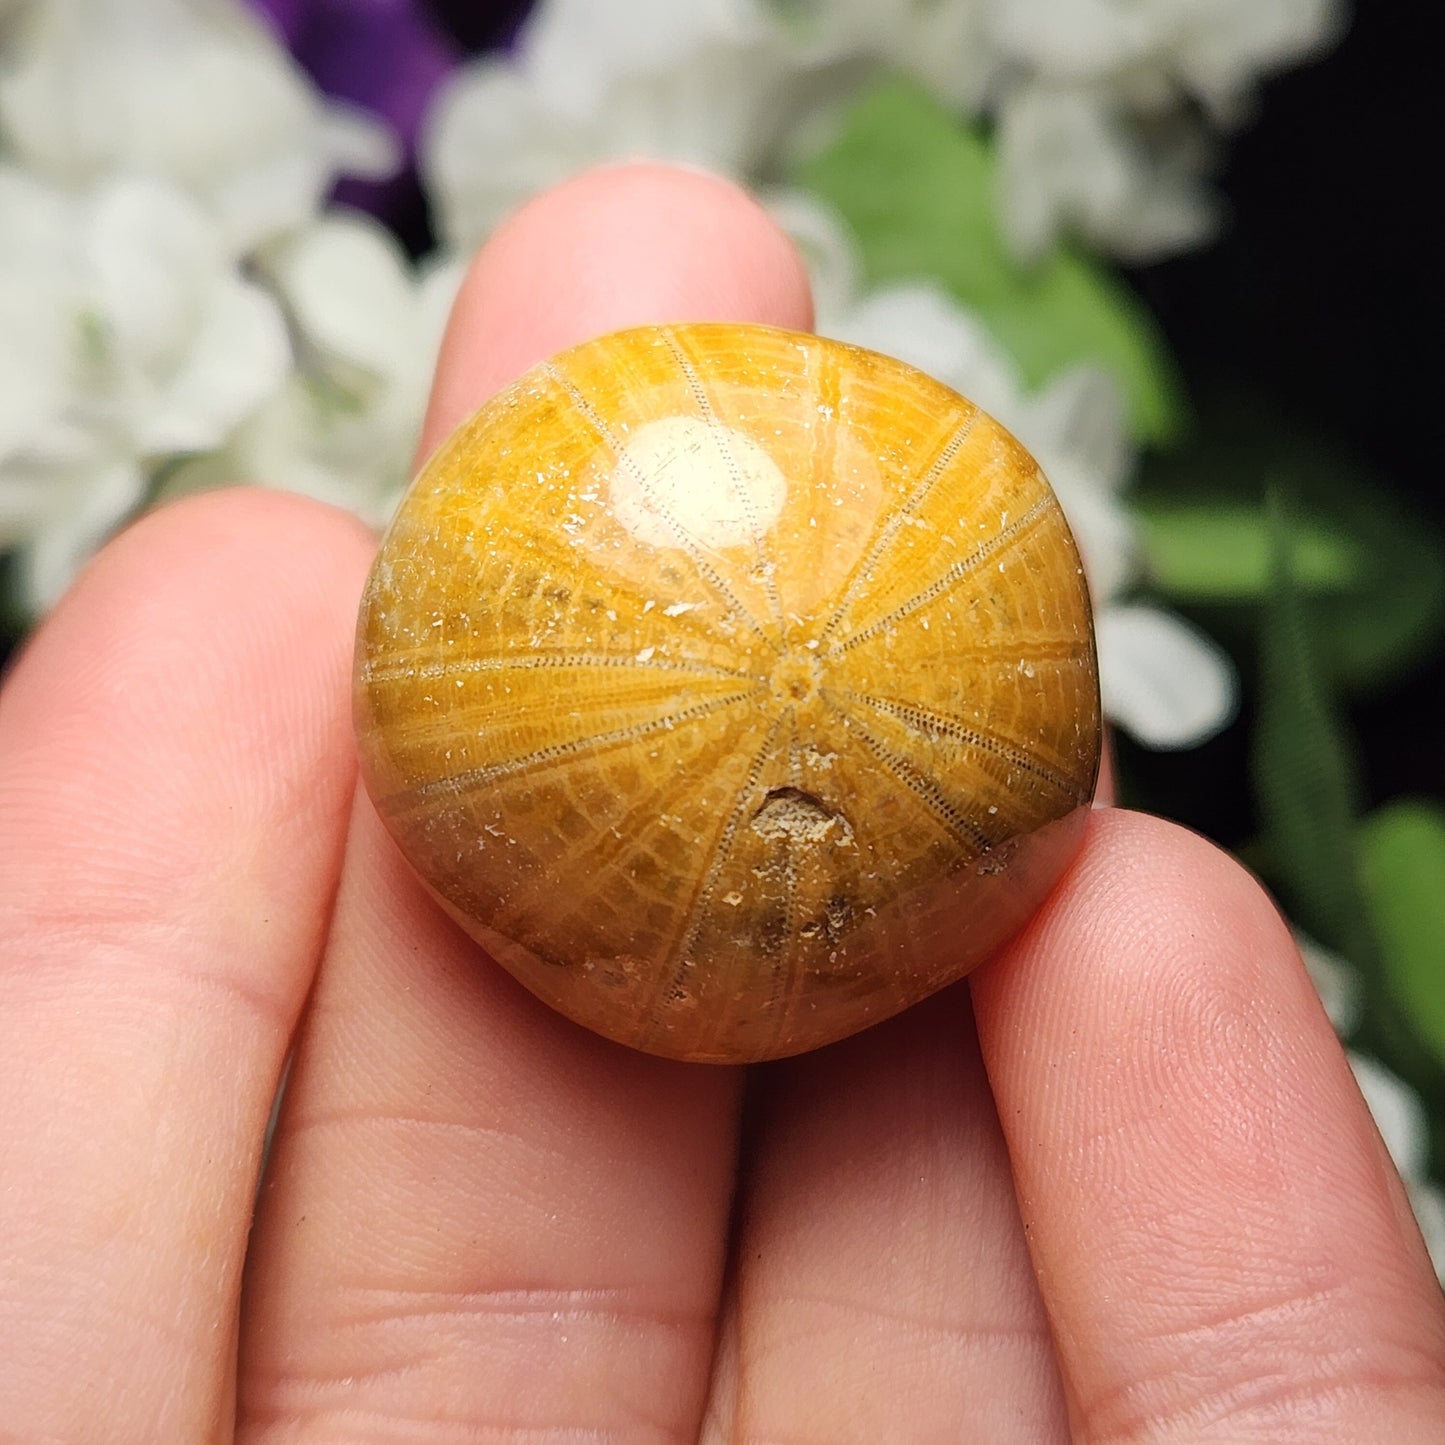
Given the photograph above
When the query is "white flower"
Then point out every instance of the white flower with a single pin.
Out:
(1073, 158)
(126, 335)
(196, 92)
(597, 80)
(368, 326)
(730, 85)
(1215, 49)
(1095, 134)
(1400, 1117)
(1089, 98)
(941, 43)
(1162, 680)
(1223, 47)
(35, 287)
(69, 512)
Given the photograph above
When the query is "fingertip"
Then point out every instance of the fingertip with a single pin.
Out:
(1151, 886)
(619, 246)
(192, 538)
(208, 644)
(1154, 931)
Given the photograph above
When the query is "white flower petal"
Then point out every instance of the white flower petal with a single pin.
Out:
(1399, 1115)
(720, 113)
(269, 197)
(1162, 680)
(1429, 1205)
(344, 428)
(350, 450)
(146, 342)
(1074, 158)
(350, 291)
(488, 145)
(1216, 47)
(703, 85)
(1098, 133)
(439, 278)
(34, 380)
(822, 236)
(576, 50)
(38, 229)
(1082, 411)
(356, 143)
(1222, 47)
(1077, 429)
(1075, 39)
(198, 92)
(82, 508)
(1100, 523)
(941, 43)
(237, 356)
(150, 255)
(34, 215)
(188, 345)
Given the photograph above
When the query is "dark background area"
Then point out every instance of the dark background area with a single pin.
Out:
(1324, 290)
(1323, 298)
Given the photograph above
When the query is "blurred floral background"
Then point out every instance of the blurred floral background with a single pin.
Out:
(1176, 245)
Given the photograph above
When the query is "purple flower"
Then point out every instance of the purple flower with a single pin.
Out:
(388, 56)
(384, 55)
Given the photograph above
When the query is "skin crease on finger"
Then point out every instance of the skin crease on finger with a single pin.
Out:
(482, 1224)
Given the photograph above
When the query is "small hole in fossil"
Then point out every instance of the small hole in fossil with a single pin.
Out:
(799, 817)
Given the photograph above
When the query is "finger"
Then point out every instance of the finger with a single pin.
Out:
(1224, 1248)
(884, 1289)
(617, 247)
(174, 778)
(481, 1218)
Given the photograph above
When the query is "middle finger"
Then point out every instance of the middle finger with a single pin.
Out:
(883, 1287)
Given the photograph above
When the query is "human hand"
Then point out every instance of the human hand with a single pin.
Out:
(1141, 1199)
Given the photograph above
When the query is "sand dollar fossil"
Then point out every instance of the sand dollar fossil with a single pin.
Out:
(733, 687)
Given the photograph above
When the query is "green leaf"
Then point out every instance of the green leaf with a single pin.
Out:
(917, 188)
(1373, 569)
(1402, 853)
(1203, 549)
(1302, 766)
